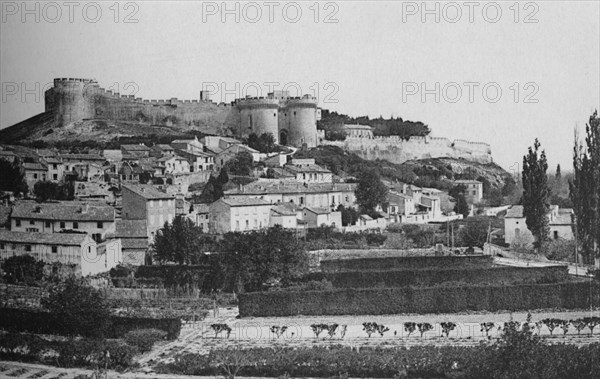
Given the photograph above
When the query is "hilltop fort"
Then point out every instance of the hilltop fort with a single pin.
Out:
(79, 109)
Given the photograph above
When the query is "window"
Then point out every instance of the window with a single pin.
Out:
(31, 222)
(555, 234)
(247, 224)
(100, 225)
(27, 247)
(17, 222)
(62, 225)
(35, 176)
(151, 220)
(55, 249)
(75, 225)
(55, 176)
(237, 225)
(34, 230)
(151, 204)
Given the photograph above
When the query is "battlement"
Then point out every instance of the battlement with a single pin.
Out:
(58, 81)
(257, 102)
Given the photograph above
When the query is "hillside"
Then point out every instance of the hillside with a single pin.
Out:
(431, 172)
(40, 129)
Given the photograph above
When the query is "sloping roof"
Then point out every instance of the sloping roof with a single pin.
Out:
(147, 191)
(82, 157)
(64, 211)
(4, 214)
(247, 202)
(35, 166)
(69, 239)
(164, 146)
(319, 211)
(285, 209)
(135, 147)
(134, 243)
(130, 229)
(516, 211)
(201, 208)
(237, 148)
(306, 168)
(467, 182)
(357, 127)
(275, 187)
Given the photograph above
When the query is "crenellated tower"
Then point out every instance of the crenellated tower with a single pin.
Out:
(70, 99)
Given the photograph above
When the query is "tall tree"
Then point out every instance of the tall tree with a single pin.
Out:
(178, 241)
(370, 191)
(584, 190)
(13, 177)
(536, 193)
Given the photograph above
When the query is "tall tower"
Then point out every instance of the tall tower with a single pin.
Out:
(300, 121)
(259, 115)
(71, 99)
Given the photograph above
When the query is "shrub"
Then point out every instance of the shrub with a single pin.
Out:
(318, 328)
(372, 327)
(551, 324)
(278, 330)
(424, 327)
(486, 327)
(144, 339)
(447, 327)
(410, 327)
(219, 328)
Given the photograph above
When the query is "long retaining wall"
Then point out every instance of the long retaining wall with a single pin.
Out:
(390, 263)
(429, 277)
(379, 301)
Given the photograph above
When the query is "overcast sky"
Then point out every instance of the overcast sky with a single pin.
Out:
(360, 58)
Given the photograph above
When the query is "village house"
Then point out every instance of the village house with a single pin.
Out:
(359, 131)
(400, 204)
(286, 214)
(189, 145)
(77, 249)
(174, 165)
(160, 150)
(306, 171)
(134, 240)
(317, 195)
(70, 160)
(56, 168)
(198, 161)
(200, 216)
(231, 152)
(239, 215)
(139, 151)
(34, 172)
(216, 144)
(97, 220)
(474, 190)
(316, 217)
(559, 222)
(146, 202)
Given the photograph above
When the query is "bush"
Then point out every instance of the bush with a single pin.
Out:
(144, 339)
(22, 269)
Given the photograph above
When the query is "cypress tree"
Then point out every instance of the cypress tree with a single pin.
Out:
(536, 193)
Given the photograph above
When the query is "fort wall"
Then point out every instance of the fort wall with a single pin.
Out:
(398, 150)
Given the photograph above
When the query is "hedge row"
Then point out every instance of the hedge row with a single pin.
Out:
(32, 321)
(388, 263)
(451, 299)
(175, 275)
(433, 276)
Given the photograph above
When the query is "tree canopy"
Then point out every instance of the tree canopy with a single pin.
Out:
(240, 165)
(179, 241)
(265, 143)
(371, 192)
(536, 193)
(13, 177)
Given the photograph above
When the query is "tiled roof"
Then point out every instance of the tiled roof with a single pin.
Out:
(35, 166)
(135, 147)
(201, 208)
(307, 168)
(4, 214)
(285, 209)
(70, 239)
(319, 211)
(237, 148)
(82, 157)
(245, 202)
(147, 191)
(164, 146)
(130, 229)
(134, 243)
(276, 186)
(516, 211)
(467, 182)
(65, 211)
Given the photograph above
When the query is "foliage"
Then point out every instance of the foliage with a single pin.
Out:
(250, 260)
(79, 306)
(551, 324)
(22, 269)
(311, 285)
(240, 165)
(424, 327)
(47, 190)
(13, 177)
(536, 193)
(179, 241)
(372, 327)
(410, 327)
(278, 330)
(213, 190)
(318, 329)
(421, 236)
(559, 250)
(584, 190)
(371, 192)
(447, 327)
(219, 328)
(265, 143)
(486, 327)
(327, 237)
(349, 215)
(144, 339)
(461, 206)
(523, 242)
(475, 232)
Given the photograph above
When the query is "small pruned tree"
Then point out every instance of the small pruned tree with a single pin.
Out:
(410, 327)
(486, 327)
(343, 330)
(447, 327)
(579, 325)
(331, 330)
(424, 327)
(318, 329)
(591, 323)
(551, 324)
(278, 330)
(564, 325)
(219, 328)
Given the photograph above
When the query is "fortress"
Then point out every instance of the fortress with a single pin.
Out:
(291, 120)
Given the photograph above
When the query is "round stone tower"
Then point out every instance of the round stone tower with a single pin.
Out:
(301, 121)
(259, 115)
(71, 99)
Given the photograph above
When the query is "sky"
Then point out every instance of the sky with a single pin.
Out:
(500, 72)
